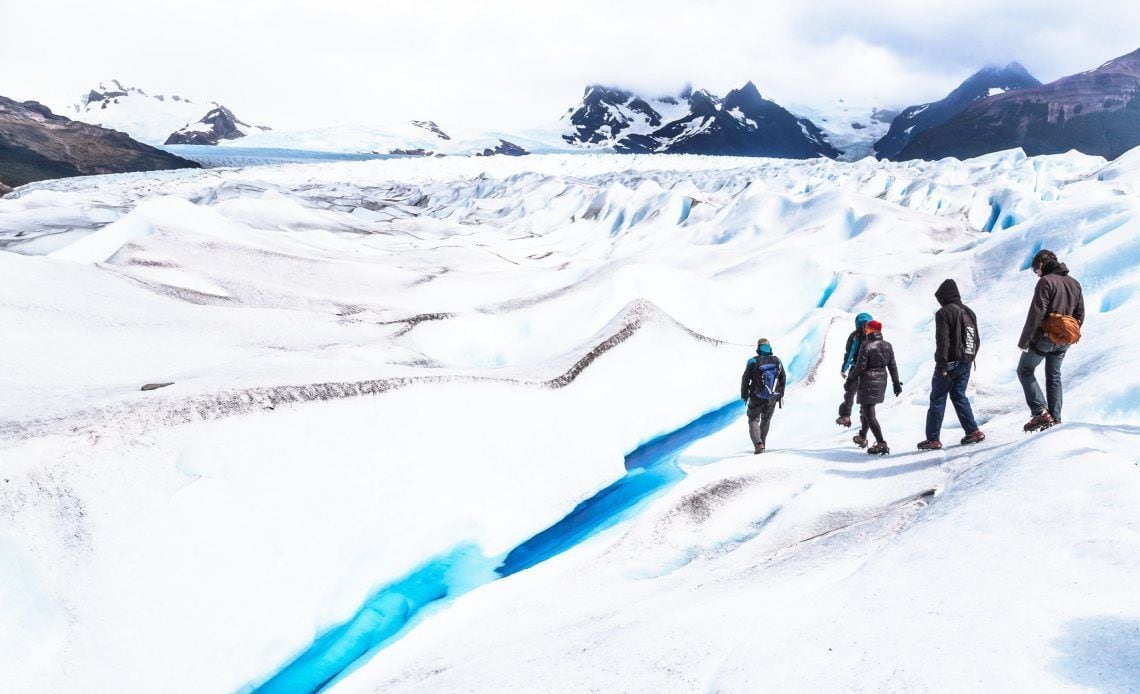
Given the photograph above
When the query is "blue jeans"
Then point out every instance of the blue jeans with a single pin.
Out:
(1052, 354)
(955, 387)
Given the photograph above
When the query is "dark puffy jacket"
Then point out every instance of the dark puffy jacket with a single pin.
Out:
(748, 381)
(950, 323)
(1056, 292)
(876, 359)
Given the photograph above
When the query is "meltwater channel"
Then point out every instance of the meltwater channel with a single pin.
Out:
(393, 610)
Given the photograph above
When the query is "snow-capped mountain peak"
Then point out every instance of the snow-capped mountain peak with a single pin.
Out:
(696, 122)
(432, 128)
(990, 81)
(219, 124)
(148, 117)
(607, 114)
(110, 92)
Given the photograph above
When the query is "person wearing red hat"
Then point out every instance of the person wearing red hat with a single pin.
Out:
(876, 359)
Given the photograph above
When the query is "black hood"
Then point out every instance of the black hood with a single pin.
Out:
(947, 293)
(1053, 267)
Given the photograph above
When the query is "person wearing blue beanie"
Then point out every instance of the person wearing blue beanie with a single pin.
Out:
(850, 355)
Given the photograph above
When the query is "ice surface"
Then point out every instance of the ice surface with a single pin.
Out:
(376, 363)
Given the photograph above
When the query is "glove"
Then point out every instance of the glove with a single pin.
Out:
(843, 374)
(898, 389)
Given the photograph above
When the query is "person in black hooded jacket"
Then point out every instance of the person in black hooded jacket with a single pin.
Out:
(956, 343)
(1056, 292)
(876, 359)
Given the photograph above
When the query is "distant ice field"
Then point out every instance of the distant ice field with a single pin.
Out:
(212, 156)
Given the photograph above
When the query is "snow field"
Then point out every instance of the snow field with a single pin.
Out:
(527, 322)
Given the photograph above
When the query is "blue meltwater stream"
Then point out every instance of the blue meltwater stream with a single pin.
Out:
(392, 611)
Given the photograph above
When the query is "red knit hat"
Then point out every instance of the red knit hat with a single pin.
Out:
(874, 327)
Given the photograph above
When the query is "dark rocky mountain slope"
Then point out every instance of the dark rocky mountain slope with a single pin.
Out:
(1096, 112)
(915, 120)
(217, 125)
(36, 144)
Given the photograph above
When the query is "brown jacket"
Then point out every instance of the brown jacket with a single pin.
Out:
(1056, 292)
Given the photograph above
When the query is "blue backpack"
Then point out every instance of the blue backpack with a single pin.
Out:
(767, 378)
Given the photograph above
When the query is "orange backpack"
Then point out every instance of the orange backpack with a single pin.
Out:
(1061, 329)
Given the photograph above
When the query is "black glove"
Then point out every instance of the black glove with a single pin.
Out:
(898, 389)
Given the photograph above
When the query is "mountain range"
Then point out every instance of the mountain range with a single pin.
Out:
(744, 123)
(154, 118)
(1096, 112)
(915, 120)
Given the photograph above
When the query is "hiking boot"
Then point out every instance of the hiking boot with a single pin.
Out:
(879, 448)
(860, 441)
(976, 437)
(759, 449)
(1039, 422)
(843, 421)
(931, 445)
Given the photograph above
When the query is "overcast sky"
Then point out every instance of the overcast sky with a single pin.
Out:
(293, 63)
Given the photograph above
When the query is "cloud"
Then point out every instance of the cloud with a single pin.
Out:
(289, 63)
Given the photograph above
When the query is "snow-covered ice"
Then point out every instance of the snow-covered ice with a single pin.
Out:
(375, 364)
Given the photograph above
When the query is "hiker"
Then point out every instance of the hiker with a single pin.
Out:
(854, 340)
(876, 358)
(1056, 315)
(956, 343)
(762, 387)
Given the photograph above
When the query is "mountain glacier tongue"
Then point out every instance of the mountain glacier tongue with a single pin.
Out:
(391, 378)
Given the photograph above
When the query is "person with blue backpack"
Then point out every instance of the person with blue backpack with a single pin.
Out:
(762, 387)
(850, 355)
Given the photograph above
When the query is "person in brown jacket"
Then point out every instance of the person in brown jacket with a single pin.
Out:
(1056, 292)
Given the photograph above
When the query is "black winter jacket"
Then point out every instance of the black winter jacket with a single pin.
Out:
(876, 359)
(1056, 292)
(950, 323)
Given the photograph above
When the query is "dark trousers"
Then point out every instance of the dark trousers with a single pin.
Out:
(760, 418)
(850, 387)
(955, 387)
(868, 420)
(1052, 354)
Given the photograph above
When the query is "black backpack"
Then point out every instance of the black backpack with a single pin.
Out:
(968, 339)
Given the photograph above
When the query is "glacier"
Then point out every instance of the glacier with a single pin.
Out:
(379, 363)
